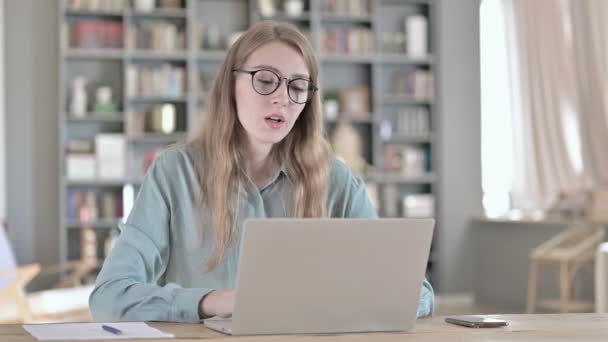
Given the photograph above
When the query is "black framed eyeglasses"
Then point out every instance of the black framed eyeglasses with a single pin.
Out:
(266, 82)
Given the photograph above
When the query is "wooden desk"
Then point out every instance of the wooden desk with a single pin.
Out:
(565, 327)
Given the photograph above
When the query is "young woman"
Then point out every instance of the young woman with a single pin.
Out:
(260, 153)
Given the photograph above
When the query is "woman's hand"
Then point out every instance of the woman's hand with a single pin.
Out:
(219, 303)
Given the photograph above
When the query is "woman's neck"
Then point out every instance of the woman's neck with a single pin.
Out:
(259, 164)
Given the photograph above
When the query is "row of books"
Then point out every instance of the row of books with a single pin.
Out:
(407, 160)
(414, 83)
(145, 81)
(157, 35)
(159, 119)
(117, 5)
(413, 121)
(103, 158)
(347, 8)
(96, 5)
(90, 206)
(347, 41)
(93, 33)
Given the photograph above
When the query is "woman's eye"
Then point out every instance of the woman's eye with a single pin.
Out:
(266, 81)
(297, 89)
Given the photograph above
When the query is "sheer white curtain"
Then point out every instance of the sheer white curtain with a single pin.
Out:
(590, 41)
(545, 100)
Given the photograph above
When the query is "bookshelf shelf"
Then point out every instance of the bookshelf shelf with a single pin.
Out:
(158, 99)
(161, 14)
(304, 17)
(404, 100)
(409, 139)
(405, 59)
(94, 118)
(399, 179)
(97, 53)
(355, 120)
(99, 183)
(97, 224)
(212, 55)
(347, 58)
(332, 18)
(97, 13)
(158, 55)
(155, 138)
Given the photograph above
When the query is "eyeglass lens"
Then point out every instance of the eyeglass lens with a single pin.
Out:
(266, 82)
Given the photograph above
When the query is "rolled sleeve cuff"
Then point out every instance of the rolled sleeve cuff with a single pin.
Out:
(185, 305)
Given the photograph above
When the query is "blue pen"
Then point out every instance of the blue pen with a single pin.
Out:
(111, 329)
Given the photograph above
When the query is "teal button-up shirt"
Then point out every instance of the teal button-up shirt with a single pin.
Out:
(155, 271)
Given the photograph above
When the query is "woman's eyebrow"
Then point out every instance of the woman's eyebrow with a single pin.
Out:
(264, 66)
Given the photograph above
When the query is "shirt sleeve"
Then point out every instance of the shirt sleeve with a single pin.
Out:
(127, 288)
(358, 205)
(427, 300)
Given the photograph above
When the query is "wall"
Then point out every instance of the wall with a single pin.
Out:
(501, 264)
(459, 139)
(31, 51)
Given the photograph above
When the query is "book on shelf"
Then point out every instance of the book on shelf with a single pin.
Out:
(160, 119)
(416, 84)
(354, 102)
(89, 206)
(413, 121)
(96, 5)
(157, 35)
(345, 8)
(353, 41)
(95, 34)
(110, 149)
(170, 4)
(406, 160)
(80, 161)
(390, 200)
(164, 81)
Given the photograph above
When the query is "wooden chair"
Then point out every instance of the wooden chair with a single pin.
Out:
(67, 301)
(571, 250)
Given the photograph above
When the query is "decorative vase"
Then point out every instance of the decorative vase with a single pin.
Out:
(294, 8)
(267, 8)
(144, 5)
(103, 100)
(78, 103)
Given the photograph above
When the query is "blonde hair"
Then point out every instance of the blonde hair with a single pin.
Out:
(218, 161)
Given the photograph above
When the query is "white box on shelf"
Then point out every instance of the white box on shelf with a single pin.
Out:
(111, 151)
(80, 166)
(419, 205)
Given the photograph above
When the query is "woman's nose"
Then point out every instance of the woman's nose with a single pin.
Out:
(281, 95)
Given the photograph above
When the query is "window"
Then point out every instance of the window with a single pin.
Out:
(497, 159)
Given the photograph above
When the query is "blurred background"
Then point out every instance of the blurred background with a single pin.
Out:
(487, 115)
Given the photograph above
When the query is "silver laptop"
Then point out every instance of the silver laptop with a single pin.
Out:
(311, 276)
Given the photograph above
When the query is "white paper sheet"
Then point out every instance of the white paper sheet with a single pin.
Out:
(93, 331)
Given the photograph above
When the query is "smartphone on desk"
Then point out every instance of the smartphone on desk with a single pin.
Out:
(477, 321)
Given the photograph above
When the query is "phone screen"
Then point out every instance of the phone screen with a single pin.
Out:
(477, 321)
